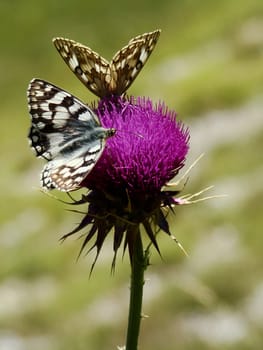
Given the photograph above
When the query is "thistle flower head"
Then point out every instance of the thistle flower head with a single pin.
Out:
(148, 150)
(125, 185)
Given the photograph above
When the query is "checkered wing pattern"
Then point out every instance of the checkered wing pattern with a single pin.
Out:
(128, 62)
(91, 69)
(66, 133)
(105, 78)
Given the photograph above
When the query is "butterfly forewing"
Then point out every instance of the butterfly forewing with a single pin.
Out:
(94, 69)
(86, 64)
(128, 62)
(65, 132)
(105, 78)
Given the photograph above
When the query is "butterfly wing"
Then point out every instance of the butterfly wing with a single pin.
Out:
(97, 74)
(89, 67)
(67, 173)
(128, 62)
(65, 132)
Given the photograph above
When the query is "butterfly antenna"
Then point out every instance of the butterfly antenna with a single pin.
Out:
(131, 133)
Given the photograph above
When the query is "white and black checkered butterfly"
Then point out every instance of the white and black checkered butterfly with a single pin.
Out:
(105, 78)
(66, 133)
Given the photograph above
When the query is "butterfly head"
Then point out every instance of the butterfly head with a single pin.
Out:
(110, 132)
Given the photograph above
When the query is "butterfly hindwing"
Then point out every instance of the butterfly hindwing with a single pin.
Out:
(105, 78)
(66, 174)
(65, 132)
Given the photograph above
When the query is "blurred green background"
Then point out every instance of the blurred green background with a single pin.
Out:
(208, 66)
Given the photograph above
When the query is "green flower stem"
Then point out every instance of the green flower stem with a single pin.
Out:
(139, 264)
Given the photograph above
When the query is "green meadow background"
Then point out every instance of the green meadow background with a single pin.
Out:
(208, 66)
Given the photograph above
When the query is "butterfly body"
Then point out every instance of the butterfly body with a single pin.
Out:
(105, 78)
(66, 133)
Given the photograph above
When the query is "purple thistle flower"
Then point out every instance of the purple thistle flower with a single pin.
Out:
(125, 185)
